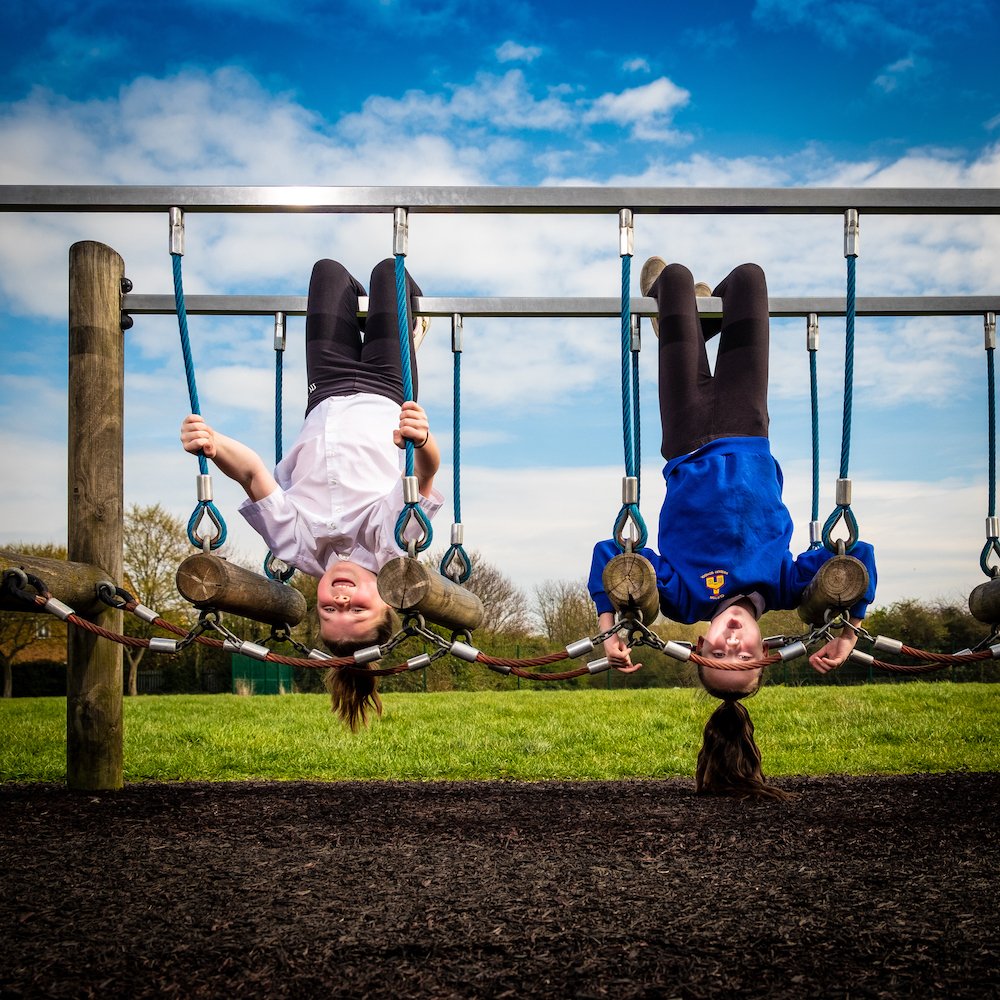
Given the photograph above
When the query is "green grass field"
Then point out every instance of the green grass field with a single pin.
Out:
(523, 735)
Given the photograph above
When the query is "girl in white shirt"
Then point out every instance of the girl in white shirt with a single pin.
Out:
(330, 507)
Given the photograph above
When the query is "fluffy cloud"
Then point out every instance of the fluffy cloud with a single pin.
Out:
(514, 52)
(648, 109)
(530, 384)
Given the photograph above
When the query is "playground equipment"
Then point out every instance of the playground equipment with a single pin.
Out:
(102, 303)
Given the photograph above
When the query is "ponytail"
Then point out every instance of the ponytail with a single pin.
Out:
(729, 759)
(354, 690)
(353, 695)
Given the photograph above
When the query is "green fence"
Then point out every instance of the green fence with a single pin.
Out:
(252, 676)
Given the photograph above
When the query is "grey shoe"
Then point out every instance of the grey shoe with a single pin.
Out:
(647, 278)
(420, 328)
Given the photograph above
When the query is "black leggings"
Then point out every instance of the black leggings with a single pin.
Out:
(696, 406)
(338, 361)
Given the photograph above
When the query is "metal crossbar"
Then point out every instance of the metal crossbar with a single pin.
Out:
(495, 306)
(513, 200)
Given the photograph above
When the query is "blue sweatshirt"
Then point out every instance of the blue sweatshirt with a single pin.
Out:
(724, 530)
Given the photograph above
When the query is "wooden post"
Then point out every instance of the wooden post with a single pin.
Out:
(72, 583)
(208, 581)
(408, 585)
(838, 585)
(95, 525)
(630, 583)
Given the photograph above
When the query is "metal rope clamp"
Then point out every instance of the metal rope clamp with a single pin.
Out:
(630, 515)
(842, 510)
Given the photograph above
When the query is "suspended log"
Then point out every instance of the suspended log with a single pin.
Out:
(408, 585)
(630, 583)
(838, 585)
(984, 602)
(72, 583)
(209, 581)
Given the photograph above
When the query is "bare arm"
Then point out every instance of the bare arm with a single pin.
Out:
(413, 426)
(232, 458)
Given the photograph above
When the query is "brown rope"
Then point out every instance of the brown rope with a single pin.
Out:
(531, 675)
(930, 661)
(538, 661)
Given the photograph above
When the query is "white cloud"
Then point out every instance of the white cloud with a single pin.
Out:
(636, 65)
(648, 109)
(529, 384)
(891, 77)
(514, 52)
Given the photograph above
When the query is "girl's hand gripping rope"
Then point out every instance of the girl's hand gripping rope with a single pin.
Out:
(413, 426)
(616, 649)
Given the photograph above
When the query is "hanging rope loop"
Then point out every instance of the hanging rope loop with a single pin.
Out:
(850, 522)
(206, 510)
(277, 569)
(205, 505)
(990, 549)
(413, 515)
(630, 529)
(812, 346)
(992, 546)
(851, 249)
(629, 516)
(411, 512)
(456, 564)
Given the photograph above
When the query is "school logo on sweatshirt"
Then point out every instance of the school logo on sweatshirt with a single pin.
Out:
(715, 581)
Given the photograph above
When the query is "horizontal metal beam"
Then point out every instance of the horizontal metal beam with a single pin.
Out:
(295, 305)
(471, 200)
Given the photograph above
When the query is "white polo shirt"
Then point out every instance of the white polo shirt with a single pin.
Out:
(340, 489)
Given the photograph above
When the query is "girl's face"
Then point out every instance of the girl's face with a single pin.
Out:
(732, 637)
(348, 603)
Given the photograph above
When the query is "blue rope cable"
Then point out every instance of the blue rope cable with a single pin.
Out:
(992, 545)
(456, 427)
(410, 510)
(627, 415)
(404, 345)
(456, 554)
(186, 347)
(204, 507)
(845, 443)
(278, 404)
(630, 411)
(269, 568)
(814, 398)
(636, 430)
(844, 510)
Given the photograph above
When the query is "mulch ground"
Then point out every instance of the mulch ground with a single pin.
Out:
(858, 887)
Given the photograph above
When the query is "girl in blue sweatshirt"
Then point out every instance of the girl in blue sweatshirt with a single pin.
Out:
(724, 531)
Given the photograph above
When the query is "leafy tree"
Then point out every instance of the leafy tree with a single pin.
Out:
(155, 544)
(565, 611)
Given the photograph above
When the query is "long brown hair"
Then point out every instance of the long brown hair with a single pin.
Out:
(353, 690)
(729, 758)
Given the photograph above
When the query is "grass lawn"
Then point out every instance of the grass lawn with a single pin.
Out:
(524, 735)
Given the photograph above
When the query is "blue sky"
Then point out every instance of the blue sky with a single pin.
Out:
(766, 93)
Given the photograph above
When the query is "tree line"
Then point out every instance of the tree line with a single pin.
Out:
(517, 625)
